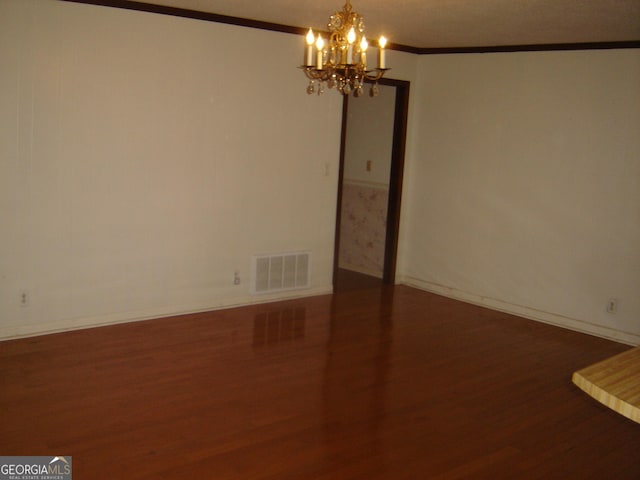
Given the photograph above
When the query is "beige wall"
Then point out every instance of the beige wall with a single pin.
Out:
(142, 164)
(524, 190)
(370, 137)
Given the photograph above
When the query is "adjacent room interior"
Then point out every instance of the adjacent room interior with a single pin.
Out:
(208, 272)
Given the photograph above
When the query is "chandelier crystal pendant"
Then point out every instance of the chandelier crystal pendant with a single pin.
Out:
(341, 60)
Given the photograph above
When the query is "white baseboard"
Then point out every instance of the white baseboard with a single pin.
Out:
(525, 312)
(20, 331)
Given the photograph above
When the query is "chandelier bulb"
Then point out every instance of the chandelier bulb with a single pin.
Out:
(309, 50)
(381, 54)
(319, 58)
(351, 36)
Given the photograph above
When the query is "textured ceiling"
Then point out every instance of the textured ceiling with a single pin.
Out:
(451, 23)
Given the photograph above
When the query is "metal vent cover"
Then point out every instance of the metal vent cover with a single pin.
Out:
(281, 271)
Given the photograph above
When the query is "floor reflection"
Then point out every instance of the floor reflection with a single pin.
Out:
(356, 375)
(279, 326)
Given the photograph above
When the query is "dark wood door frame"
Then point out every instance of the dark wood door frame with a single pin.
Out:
(395, 178)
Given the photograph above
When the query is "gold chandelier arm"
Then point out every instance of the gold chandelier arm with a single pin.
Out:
(375, 75)
(313, 73)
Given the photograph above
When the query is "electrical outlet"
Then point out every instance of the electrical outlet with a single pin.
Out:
(612, 305)
(236, 278)
(24, 298)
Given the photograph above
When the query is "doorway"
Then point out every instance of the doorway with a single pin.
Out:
(370, 187)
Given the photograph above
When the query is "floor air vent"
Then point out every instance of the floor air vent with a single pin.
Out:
(283, 271)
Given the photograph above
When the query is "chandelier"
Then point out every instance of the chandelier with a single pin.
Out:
(341, 60)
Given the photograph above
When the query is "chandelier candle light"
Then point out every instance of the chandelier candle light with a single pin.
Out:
(343, 63)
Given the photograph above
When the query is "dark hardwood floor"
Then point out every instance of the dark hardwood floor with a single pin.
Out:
(380, 383)
(347, 280)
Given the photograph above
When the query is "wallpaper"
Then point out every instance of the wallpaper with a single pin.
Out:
(363, 227)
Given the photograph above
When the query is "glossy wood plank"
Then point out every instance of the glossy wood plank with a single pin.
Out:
(387, 383)
(614, 382)
(346, 280)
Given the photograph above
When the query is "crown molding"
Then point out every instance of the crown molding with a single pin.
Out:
(277, 27)
(193, 14)
(530, 48)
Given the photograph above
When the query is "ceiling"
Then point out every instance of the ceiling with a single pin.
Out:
(426, 24)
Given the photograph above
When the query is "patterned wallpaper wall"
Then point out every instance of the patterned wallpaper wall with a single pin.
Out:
(363, 227)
